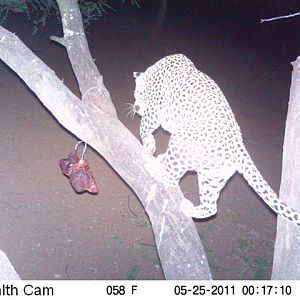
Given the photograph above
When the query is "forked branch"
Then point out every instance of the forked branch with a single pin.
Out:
(93, 119)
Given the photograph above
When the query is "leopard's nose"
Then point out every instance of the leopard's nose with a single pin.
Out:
(136, 107)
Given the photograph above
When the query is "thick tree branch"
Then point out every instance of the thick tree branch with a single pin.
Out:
(94, 121)
(89, 79)
(287, 244)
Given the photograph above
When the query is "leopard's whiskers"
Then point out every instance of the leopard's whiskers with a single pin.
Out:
(131, 110)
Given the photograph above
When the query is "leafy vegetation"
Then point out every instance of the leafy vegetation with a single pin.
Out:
(38, 11)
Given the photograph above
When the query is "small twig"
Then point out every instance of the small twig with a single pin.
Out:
(128, 203)
(280, 17)
(59, 40)
(145, 244)
(67, 268)
(16, 209)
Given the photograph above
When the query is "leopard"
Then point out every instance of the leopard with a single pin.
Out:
(204, 135)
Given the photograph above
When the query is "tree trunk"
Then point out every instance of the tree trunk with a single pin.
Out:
(7, 271)
(286, 263)
(93, 119)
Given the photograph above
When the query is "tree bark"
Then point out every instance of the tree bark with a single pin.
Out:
(7, 271)
(287, 245)
(93, 119)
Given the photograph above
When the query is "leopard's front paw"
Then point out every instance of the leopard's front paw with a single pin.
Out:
(149, 144)
(154, 167)
(186, 206)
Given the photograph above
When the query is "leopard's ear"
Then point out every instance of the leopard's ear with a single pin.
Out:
(136, 74)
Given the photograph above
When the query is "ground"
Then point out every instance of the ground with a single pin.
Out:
(50, 232)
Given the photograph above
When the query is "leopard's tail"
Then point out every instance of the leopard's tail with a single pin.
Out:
(262, 188)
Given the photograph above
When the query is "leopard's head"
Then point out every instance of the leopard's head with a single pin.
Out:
(139, 105)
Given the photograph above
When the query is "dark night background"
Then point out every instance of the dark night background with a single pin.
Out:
(49, 232)
(238, 20)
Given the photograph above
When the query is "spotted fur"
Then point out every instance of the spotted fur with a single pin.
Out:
(205, 136)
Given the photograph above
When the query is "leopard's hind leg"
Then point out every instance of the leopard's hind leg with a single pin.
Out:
(210, 186)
